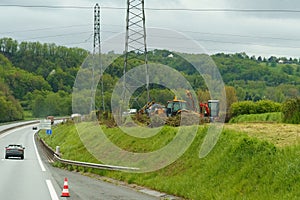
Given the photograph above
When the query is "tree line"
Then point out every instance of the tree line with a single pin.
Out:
(40, 77)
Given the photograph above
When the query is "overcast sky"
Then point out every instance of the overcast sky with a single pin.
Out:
(256, 33)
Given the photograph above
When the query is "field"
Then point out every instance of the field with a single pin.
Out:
(281, 135)
(249, 161)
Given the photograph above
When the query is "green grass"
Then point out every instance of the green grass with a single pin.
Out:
(239, 166)
(265, 117)
(279, 134)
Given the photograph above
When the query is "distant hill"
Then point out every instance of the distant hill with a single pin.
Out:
(254, 79)
(34, 70)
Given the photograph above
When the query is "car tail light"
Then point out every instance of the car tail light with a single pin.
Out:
(7, 148)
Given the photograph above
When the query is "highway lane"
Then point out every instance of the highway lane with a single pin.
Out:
(34, 178)
(22, 179)
(87, 188)
(6, 126)
(83, 188)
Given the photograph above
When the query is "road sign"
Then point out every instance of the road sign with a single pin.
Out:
(45, 124)
(48, 131)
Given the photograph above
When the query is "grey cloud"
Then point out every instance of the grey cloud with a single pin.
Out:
(266, 4)
(226, 27)
(31, 2)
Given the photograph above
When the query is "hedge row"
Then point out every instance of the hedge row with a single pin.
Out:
(250, 107)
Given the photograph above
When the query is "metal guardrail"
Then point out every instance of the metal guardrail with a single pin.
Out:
(94, 165)
(56, 156)
(46, 148)
(18, 126)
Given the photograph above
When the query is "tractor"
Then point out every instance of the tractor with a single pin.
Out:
(175, 107)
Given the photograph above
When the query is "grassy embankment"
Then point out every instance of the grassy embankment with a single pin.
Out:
(265, 117)
(239, 167)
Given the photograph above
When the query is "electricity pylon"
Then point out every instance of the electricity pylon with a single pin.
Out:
(135, 39)
(97, 55)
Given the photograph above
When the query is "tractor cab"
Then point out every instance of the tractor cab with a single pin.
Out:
(214, 109)
(175, 107)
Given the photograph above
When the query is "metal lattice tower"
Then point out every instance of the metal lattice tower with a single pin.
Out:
(135, 39)
(97, 53)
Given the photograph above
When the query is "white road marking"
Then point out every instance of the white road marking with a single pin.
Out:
(51, 190)
(38, 156)
(9, 132)
(5, 134)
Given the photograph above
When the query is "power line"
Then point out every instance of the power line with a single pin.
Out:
(242, 36)
(45, 6)
(46, 28)
(225, 10)
(58, 35)
(183, 31)
(158, 9)
(59, 27)
(221, 34)
(180, 38)
(221, 41)
(225, 42)
(209, 39)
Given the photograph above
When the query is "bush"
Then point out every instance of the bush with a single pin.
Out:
(291, 111)
(267, 106)
(242, 108)
(249, 107)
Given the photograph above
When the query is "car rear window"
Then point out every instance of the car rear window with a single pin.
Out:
(15, 145)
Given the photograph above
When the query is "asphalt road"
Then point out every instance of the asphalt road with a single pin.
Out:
(34, 178)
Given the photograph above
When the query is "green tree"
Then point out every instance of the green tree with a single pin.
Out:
(231, 98)
(291, 111)
(10, 108)
(288, 69)
(38, 106)
(241, 108)
(265, 106)
(21, 82)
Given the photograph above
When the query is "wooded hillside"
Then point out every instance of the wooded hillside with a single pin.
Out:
(40, 77)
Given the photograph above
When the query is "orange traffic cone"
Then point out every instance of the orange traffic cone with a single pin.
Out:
(65, 192)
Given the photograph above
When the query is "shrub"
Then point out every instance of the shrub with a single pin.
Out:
(249, 107)
(242, 108)
(291, 111)
(267, 106)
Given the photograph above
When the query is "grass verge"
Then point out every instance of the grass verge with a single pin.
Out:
(279, 134)
(239, 166)
(275, 117)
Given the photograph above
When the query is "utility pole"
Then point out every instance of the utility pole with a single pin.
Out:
(97, 55)
(135, 39)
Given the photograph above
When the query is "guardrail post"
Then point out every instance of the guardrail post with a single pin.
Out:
(57, 150)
